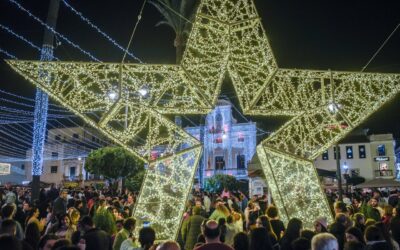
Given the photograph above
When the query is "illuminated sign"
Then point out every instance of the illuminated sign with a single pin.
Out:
(5, 168)
(381, 158)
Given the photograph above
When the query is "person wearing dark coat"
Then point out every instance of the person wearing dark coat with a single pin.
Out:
(60, 204)
(192, 228)
(94, 238)
(338, 229)
(292, 233)
(395, 225)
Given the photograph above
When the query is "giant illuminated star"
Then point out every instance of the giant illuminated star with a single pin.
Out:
(227, 36)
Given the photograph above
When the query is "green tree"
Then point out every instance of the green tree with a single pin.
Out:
(114, 163)
(175, 14)
(134, 183)
(220, 181)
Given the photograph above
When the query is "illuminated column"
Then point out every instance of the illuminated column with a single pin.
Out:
(41, 102)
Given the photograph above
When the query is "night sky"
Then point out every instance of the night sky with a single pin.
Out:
(336, 35)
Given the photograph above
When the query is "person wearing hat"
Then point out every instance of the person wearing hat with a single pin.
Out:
(320, 225)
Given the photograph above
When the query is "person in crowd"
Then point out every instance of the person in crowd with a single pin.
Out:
(225, 193)
(251, 214)
(394, 225)
(130, 203)
(340, 207)
(231, 230)
(258, 239)
(241, 241)
(359, 221)
(21, 215)
(263, 221)
(207, 202)
(338, 228)
(324, 241)
(353, 245)
(375, 239)
(356, 204)
(62, 244)
(277, 225)
(393, 199)
(8, 212)
(147, 236)
(47, 242)
(212, 237)
(292, 233)
(192, 228)
(92, 238)
(60, 204)
(32, 235)
(301, 244)
(354, 234)
(168, 245)
(33, 217)
(63, 227)
(10, 242)
(387, 236)
(125, 233)
(373, 211)
(320, 225)
(104, 219)
(387, 215)
(8, 226)
(221, 211)
(238, 220)
(308, 234)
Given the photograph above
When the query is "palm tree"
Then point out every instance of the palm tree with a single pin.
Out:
(176, 14)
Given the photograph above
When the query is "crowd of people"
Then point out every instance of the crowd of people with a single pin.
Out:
(91, 219)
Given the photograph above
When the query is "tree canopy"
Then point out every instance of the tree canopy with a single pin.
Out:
(220, 181)
(114, 162)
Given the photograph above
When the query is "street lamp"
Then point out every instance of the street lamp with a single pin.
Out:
(333, 107)
(112, 95)
(144, 91)
(346, 175)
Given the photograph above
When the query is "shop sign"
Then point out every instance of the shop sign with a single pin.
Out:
(381, 158)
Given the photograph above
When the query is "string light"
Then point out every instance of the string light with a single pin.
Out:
(5, 52)
(54, 31)
(227, 36)
(99, 30)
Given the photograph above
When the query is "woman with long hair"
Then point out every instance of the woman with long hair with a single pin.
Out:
(292, 232)
(221, 211)
(263, 221)
(355, 234)
(63, 228)
(258, 241)
(241, 241)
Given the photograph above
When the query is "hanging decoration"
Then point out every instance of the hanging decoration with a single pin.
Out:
(227, 36)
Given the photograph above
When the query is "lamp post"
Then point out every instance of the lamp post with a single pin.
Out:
(346, 175)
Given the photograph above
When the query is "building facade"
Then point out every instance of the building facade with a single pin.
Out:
(64, 154)
(369, 157)
(228, 146)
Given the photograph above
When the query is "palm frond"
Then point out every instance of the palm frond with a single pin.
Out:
(185, 8)
(164, 22)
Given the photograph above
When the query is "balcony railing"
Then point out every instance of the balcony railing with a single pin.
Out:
(383, 173)
(72, 178)
(228, 171)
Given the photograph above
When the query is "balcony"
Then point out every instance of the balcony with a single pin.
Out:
(383, 173)
(228, 171)
(72, 178)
